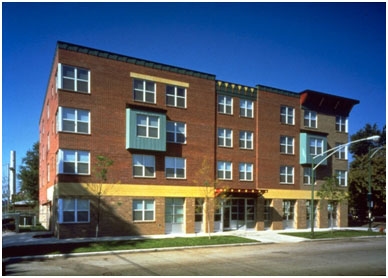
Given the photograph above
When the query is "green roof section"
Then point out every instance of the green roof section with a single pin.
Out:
(132, 60)
(277, 91)
(232, 89)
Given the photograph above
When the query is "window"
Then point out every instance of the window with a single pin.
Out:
(316, 146)
(175, 96)
(73, 79)
(144, 91)
(287, 174)
(175, 210)
(147, 126)
(307, 175)
(143, 210)
(342, 152)
(246, 172)
(246, 108)
(176, 132)
(287, 115)
(225, 137)
(73, 120)
(286, 145)
(175, 167)
(342, 177)
(143, 166)
(199, 202)
(310, 119)
(73, 211)
(341, 124)
(225, 105)
(224, 170)
(73, 162)
(246, 140)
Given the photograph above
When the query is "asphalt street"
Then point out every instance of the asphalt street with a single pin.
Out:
(351, 256)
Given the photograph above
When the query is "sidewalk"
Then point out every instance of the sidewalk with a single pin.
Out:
(267, 236)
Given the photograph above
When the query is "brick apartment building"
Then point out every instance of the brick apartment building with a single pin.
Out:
(190, 153)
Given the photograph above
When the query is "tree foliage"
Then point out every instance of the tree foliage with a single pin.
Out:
(29, 174)
(359, 172)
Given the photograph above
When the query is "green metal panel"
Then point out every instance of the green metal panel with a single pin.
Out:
(133, 141)
(305, 156)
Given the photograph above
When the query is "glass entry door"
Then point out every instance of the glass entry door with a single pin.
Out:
(174, 214)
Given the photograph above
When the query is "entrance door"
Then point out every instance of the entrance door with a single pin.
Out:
(174, 215)
(226, 217)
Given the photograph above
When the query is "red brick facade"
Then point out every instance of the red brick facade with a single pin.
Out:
(111, 94)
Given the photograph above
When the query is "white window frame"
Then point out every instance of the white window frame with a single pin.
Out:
(225, 102)
(145, 93)
(244, 140)
(148, 126)
(175, 96)
(286, 175)
(175, 163)
(223, 168)
(144, 210)
(143, 162)
(75, 78)
(61, 119)
(307, 175)
(62, 160)
(287, 115)
(76, 210)
(225, 135)
(175, 128)
(314, 145)
(287, 144)
(341, 124)
(246, 108)
(342, 153)
(310, 119)
(246, 171)
(342, 177)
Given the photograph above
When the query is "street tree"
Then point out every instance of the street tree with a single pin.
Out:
(333, 193)
(359, 172)
(29, 174)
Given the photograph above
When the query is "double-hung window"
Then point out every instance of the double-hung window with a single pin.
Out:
(73, 162)
(342, 177)
(73, 78)
(73, 211)
(287, 115)
(73, 120)
(246, 140)
(143, 210)
(287, 144)
(176, 132)
(143, 166)
(310, 119)
(341, 124)
(175, 167)
(225, 137)
(246, 108)
(246, 171)
(225, 104)
(316, 146)
(342, 151)
(306, 175)
(175, 96)
(144, 91)
(287, 174)
(147, 126)
(224, 170)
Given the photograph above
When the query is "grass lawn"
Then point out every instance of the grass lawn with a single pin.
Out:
(334, 234)
(67, 248)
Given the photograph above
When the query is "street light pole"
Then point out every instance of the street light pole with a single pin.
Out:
(313, 167)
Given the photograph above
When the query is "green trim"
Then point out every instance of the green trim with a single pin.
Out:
(277, 91)
(236, 90)
(132, 60)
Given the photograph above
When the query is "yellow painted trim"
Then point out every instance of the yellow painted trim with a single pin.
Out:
(159, 79)
(289, 194)
(133, 190)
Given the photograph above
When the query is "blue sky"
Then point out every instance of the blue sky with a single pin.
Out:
(335, 48)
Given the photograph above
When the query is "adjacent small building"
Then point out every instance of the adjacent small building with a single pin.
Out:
(190, 153)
